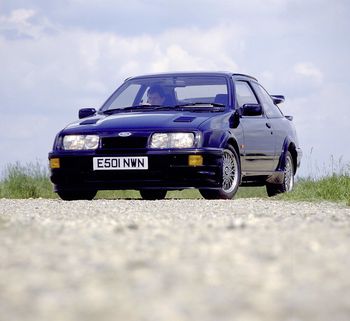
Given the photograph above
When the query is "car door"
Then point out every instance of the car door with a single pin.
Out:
(259, 145)
(275, 118)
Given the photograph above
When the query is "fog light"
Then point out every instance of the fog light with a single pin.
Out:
(195, 160)
(54, 163)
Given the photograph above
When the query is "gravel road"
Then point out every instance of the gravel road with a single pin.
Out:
(174, 260)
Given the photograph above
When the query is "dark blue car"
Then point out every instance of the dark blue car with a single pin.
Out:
(213, 131)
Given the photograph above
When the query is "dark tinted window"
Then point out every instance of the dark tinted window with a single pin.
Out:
(271, 110)
(244, 94)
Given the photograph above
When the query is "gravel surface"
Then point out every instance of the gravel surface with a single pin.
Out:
(174, 260)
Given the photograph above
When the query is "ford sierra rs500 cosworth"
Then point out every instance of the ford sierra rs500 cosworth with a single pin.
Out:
(212, 131)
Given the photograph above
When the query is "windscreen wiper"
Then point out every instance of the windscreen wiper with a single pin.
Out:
(131, 108)
(201, 106)
(195, 106)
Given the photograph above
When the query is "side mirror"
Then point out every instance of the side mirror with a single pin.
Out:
(277, 99)
(86, 112)
(251, 110)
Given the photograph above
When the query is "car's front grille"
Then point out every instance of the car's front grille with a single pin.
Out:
(124, 142)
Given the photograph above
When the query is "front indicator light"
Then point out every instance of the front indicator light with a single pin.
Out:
(54, 163)
(195, 160)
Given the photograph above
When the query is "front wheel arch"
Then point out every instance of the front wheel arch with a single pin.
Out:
(231, 172)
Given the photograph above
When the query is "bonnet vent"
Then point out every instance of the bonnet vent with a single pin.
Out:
(184, 119)
(89, 122)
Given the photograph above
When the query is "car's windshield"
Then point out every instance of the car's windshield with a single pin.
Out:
(195, 92)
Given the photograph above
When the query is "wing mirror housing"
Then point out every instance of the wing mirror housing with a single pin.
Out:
(251, 110)
(86, 112)
(277, 99)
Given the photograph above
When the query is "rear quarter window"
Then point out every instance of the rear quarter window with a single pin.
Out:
(271, 110)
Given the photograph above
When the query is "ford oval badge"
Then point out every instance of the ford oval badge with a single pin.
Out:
(124, 134)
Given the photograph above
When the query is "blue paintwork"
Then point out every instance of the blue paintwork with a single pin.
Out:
(260, 141)
(141, 120)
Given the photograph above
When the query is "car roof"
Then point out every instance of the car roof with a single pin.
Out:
(197, 73)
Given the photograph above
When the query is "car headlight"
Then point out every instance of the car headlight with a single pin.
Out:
(79, 142)
(172, 140)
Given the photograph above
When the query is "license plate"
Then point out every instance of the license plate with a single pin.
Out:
(120, 163)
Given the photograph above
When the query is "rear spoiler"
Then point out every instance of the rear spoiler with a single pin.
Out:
(277, 99)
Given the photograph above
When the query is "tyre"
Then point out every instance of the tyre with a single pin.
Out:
(76, 195)
(288, 179)
(153, 194)
(231, 174)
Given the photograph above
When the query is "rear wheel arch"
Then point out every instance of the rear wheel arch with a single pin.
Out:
(288, 146)
(293, 151)
(284, 182)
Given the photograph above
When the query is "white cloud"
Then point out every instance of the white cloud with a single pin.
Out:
(79, 63)
(308, 70)
(24, 23)
(57, 73)
(55, 59)
(17, 18)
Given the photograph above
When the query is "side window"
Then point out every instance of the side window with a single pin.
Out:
(271, 110)
(244, 94)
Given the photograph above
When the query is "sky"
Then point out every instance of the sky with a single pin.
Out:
(59, 56)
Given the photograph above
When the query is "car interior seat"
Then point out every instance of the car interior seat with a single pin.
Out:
(221, 99)
(169, 101)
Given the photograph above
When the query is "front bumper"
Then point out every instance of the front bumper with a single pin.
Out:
(167, 169)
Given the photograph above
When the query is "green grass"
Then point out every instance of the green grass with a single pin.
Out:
(26, 181)
(335, 188)
(32, 181)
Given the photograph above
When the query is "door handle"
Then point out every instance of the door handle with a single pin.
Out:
(268, 125)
